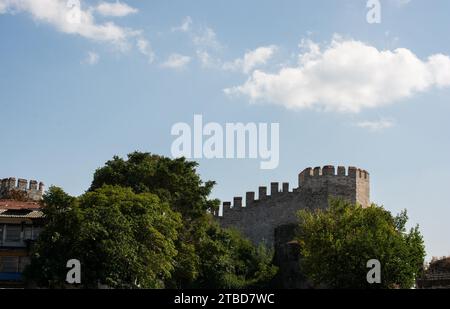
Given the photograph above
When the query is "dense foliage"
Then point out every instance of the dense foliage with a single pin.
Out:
(145, 222)
(336, 244)
(122, 239)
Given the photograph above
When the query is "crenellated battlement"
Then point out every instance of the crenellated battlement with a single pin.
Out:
(250, 197)
(10, 187)
(318, 178)
(258, 217)
(329, 170)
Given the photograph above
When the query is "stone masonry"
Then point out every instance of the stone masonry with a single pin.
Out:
(32, 190)
(259, 218)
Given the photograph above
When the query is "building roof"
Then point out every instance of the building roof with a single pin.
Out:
(18, 205)
(18, 209)
(30, 214)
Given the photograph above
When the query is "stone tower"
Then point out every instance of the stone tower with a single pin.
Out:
(31, 190)
(259, 218)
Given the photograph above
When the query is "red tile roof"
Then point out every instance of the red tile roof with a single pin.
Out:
(17, 205)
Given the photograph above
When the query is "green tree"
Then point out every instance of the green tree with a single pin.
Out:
(122, 239)
(172, 180)
(55, 245)
(231, 261)
(208, 256)
(337, 242)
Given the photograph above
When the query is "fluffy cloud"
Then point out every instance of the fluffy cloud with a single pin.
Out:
(251, 59)
(377, 125)
(72, 20)
(176, 61)
(116, 9)
(347, 76)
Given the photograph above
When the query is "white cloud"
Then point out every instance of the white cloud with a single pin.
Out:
(185, 25)
(251, 59)
(202, 36)
(439, 67)
(376, 126)
(115, 9)
(206, 60)
(248, 62)
(145, 49)
(176, 61)
(91, 58)
(71, 20)
(347, 76)
(206, 38)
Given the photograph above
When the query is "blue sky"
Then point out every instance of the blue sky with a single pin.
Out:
(71, 97)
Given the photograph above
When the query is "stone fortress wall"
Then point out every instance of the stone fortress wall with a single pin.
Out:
(259, 218)
(32, 189)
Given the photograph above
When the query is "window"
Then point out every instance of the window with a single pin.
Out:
(9, 264)
(13, 233)
(31, 232)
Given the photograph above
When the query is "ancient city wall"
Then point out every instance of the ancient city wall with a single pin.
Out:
(32, 190)
(258, 218)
